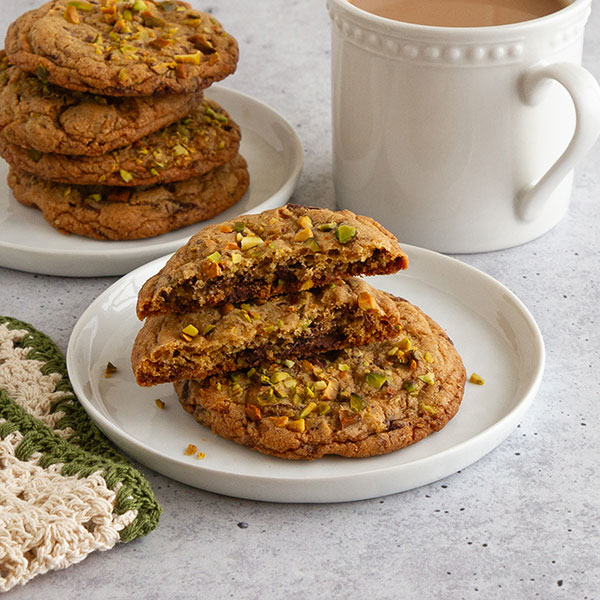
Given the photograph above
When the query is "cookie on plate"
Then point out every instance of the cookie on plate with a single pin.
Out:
(117, 213)
(122, 48)
(281, 250)
(45, 118)
(196, 345)
(356, 402)
(203, 140)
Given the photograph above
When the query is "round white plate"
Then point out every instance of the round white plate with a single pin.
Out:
(274, 155)
(492, 330)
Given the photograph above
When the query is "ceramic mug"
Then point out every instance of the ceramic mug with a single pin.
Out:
(460, 139)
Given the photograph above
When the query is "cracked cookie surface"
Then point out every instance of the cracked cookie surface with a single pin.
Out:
(46, 118)
(356, 402)
(122, 48)
(192, 146)
(116, 213)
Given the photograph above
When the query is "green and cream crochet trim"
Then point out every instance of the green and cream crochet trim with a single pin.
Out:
(64, 490)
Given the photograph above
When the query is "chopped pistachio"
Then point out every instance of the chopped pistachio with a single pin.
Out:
(239, 227)
(393, 351)
(375, 380)
(410, 386)
(298, 425)
(366, 301)
(324, 408)
(139, 6)
(304, 222)
(207, 329)
(279, 376)
(320, 385)
(344, 233)
(405, 344)
(303, 235)
(214, 257)
(81, 5)
(159, 403)
(476, 379)
(288, 363)
(290, 383)
(189, 59)
(180, 150)
(219, 386)
(429, 357)
(126, 176)
(190, 330)
(71, 15)
(428, 378)
(153, 172)
(96, 197)
(430, 409)
(356, 402)
(309, 392)
(308, 409)
(312, 244)
(42, 73)
(236, 258)
(110, 370)
(343, 367)
(250, 241)
(191, 449)
(327, 226)
(250, 372)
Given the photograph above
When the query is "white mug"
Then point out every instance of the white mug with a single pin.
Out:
(460, 139)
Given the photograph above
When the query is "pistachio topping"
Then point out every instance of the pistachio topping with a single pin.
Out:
(126, 176)
(191, 449)
(428, 378)
(250, 241)
(356, 402)
(344, 233)
(190, 330)
(375, 380)
(476, 379)
(159, 403)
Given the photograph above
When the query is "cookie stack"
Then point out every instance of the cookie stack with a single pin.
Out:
(103, 120)
(273, 340)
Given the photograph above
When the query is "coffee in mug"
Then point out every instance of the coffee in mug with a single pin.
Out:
(461, 13)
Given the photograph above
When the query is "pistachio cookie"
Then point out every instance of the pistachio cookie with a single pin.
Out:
(117, 213)
(38, 115)
(356, 402)
(196, 345)
(122, 47)
(287, 249)
(203, 140)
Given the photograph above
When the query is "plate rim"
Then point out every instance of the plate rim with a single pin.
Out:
(485, 441)
(152, 251)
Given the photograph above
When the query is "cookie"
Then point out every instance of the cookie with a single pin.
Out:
(116, 213)
(47, 119)
(196, 345)
(190, 147)
(282, 250)
(356, 402)
(122, 48)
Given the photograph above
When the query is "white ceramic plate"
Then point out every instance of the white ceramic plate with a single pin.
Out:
(493, 331)
(274, 155)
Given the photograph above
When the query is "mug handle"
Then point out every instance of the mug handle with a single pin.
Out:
(585, 93)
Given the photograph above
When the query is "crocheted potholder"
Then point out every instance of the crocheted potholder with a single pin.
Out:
(64, 490)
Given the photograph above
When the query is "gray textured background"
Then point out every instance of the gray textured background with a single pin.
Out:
(520, 523)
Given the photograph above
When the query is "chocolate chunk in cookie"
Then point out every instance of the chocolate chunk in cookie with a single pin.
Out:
(118, 213)
(216, 340)
(205, 139)
(282, 250)
(356, 402)
(122, 48)
(38, 115)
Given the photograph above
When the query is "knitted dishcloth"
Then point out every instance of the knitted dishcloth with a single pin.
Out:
(64, 490)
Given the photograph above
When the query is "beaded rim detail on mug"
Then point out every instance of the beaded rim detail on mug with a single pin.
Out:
(440, 53)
